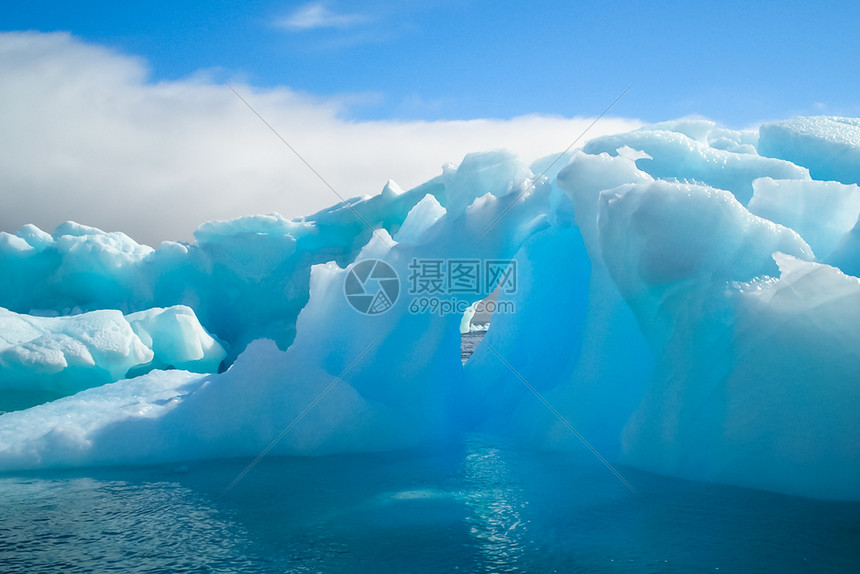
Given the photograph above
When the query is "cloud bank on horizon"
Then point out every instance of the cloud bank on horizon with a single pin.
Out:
(90, 137)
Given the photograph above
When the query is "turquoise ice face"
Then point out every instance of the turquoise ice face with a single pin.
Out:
(685, 296)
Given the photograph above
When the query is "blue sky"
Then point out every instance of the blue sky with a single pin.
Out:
(113, 110)
(738, 63)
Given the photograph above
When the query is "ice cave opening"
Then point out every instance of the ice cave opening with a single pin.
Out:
(475, 323)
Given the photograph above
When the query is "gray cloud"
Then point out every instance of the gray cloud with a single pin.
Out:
(87, 136)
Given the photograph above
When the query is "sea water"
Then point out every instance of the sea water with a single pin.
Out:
(468, 343)
(472, 505)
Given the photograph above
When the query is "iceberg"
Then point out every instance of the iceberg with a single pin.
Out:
(44, 358)
(682, 151)
(828, 146)
(823, 212)
(685, 296)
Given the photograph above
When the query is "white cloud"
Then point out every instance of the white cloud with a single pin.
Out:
(87, 137)
(318, 15)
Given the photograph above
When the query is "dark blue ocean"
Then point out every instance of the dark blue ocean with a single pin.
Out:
(475, 505)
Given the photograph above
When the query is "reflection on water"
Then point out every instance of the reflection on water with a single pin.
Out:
(495, 502)
(476, 505)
